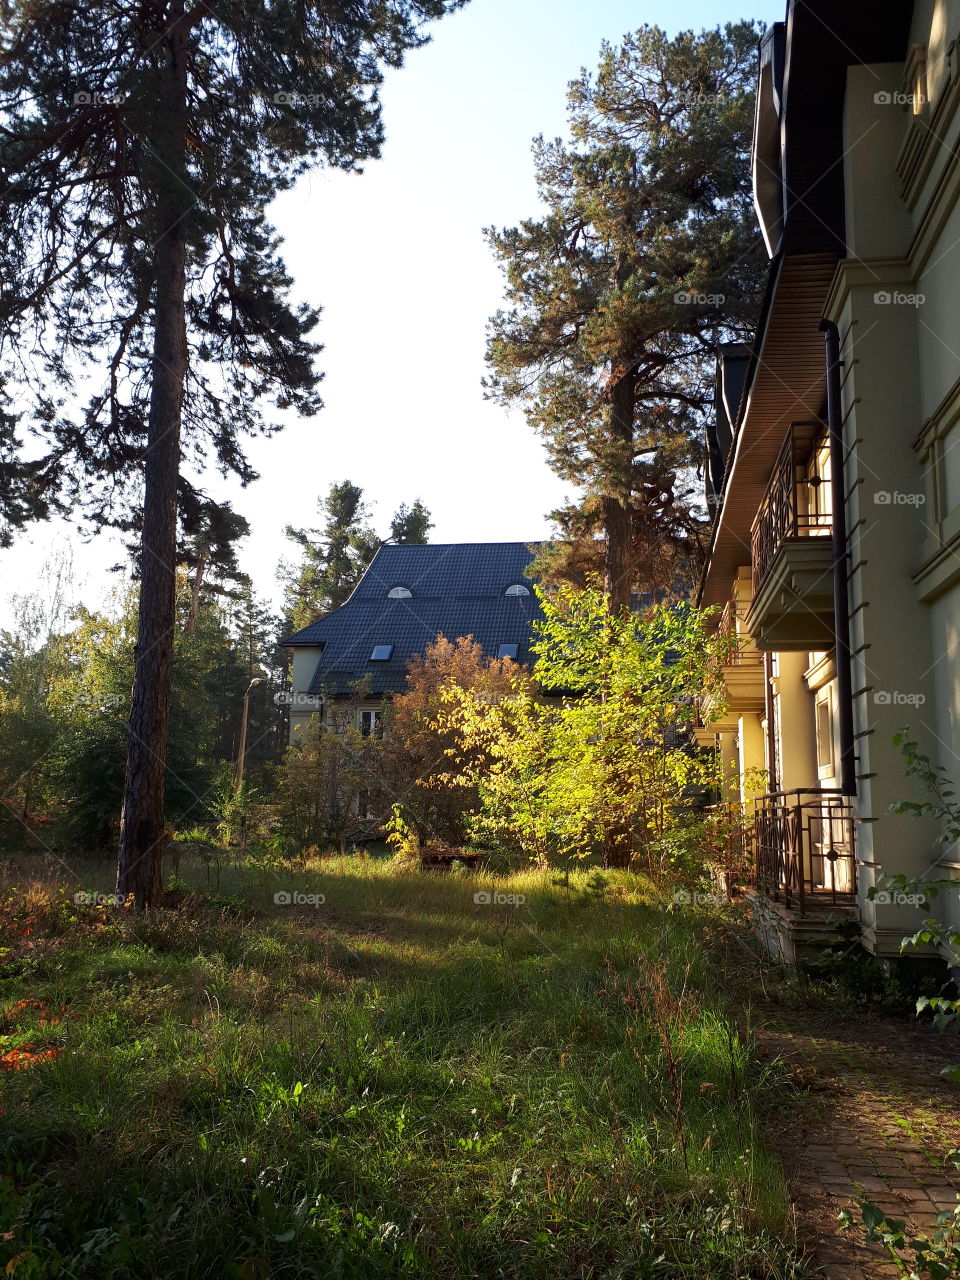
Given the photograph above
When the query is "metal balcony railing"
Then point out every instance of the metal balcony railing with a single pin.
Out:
(796, 504)
(804, 847)
(744, 653)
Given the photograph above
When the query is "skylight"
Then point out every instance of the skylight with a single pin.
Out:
(382, 653)
(517, 589)
(508, 651)
(399, 593)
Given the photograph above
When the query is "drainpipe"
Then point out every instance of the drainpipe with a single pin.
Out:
(841, 606)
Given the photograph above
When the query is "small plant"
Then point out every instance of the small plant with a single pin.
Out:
(233, 808)
(945, 810)
(401, 836)
(935, 1257)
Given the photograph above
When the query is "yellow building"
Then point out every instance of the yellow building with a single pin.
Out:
(834, 476)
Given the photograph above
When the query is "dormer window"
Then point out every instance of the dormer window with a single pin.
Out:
(399, 593)
(517, 589)
(381, 653)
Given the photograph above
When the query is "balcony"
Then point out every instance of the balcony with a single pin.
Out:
(804, 849)
(792, 551)
(743, 674)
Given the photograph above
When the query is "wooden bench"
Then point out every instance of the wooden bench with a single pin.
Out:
(442, 857)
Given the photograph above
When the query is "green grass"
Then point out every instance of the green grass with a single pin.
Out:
(399, 1082)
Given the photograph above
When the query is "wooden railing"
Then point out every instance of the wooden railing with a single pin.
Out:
(804, 847)
(793, 505)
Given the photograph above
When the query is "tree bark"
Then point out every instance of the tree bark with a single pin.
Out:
(142, 818)
(618, 560)
(618, 565)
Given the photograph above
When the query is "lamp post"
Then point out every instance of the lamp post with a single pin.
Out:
(242, 756)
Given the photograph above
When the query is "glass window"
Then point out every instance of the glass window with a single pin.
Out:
(825, 738)
(517, 589)
(381, 653)
(399, 593)
(508, 651)
(371, 723)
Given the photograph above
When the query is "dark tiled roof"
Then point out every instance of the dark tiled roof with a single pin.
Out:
(457, 590)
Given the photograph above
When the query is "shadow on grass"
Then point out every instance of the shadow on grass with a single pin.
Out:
(399, 1082)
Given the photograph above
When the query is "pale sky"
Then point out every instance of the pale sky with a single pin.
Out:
(397, 260)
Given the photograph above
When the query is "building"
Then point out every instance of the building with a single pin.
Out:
(356, 656)
(834, 469)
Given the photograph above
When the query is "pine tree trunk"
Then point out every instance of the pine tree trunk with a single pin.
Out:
(142, 818)
(618, 566)
(616, 584)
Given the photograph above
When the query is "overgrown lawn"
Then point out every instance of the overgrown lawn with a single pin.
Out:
(398, 1082)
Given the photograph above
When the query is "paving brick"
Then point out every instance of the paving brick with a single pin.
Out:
(830, 1169)
(915, 1197)
(869, 1184)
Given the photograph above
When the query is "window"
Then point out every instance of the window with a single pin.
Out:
(517, 589)
(508, 651)
(381, 653)
(399, 593)
(826, 765)
(371, 724)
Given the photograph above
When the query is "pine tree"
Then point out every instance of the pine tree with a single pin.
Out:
(411, 526)
(140, 147)
(335, 556)
(209, 552)
(647, 257)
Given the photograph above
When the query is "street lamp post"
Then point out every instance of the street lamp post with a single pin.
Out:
(242, 756)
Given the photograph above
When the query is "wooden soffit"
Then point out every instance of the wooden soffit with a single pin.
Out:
(787, 383)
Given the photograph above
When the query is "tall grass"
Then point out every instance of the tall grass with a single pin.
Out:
(398, 1082)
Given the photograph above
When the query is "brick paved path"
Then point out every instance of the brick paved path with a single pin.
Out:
(877, 1117)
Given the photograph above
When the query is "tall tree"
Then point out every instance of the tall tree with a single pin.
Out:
(139, 147)
(334, 557)
(647, 257)
(411, 526)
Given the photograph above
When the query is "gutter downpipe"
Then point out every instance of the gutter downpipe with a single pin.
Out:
(841, 606)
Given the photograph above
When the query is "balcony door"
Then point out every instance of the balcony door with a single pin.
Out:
(832, 864)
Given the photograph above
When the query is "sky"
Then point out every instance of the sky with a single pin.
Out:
(397, 260)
